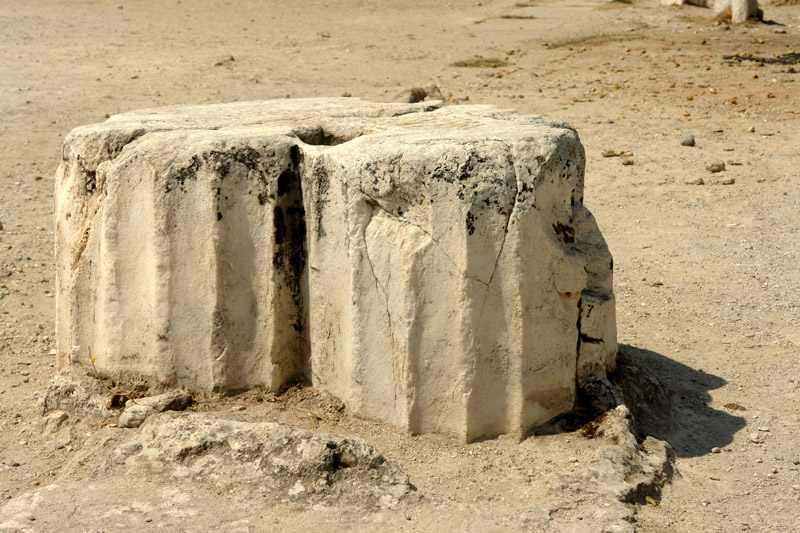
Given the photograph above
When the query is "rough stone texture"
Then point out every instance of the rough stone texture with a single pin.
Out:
(433, 268)
(174, 400)
(285, 462)
(74, 391)
(622, 468)
(136, 411)
(52, 422)
(741, 10)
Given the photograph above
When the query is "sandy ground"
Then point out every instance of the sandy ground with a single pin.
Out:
(707, 264)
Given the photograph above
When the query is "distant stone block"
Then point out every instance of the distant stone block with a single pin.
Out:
(699, 3)
(740, 10)
(434, 268)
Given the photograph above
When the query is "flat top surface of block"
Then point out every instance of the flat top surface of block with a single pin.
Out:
(342, 119)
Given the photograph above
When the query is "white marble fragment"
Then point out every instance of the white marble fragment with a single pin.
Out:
(434, 268)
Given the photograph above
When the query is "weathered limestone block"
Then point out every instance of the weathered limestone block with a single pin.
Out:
(741, 10)
(434, 268)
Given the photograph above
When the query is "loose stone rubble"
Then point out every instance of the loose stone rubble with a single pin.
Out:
(175, 463)
(432, 267)
(283, 461)
(136, 411)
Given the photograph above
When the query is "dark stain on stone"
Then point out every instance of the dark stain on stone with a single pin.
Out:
(280, 229)
(220, 161)
(590, 340)
(289, 220)
(91, 181)
(590, 429)
(470, 221)
(178, 178)
(320, 183)
(283, 181)
(565, 233)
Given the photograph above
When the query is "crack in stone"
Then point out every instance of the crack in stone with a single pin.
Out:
(380, 288)
(84, 240)
(114, 154)
(423, 230)
(517, 187)
(426, 108)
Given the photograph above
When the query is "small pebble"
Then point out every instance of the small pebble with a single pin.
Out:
(224, 60)
(716, 167)
(687, 140)
(715, 449)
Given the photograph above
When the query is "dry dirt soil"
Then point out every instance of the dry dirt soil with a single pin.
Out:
(707, 263)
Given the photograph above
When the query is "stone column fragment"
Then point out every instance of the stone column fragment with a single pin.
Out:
(181, 256)
(434, 268)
